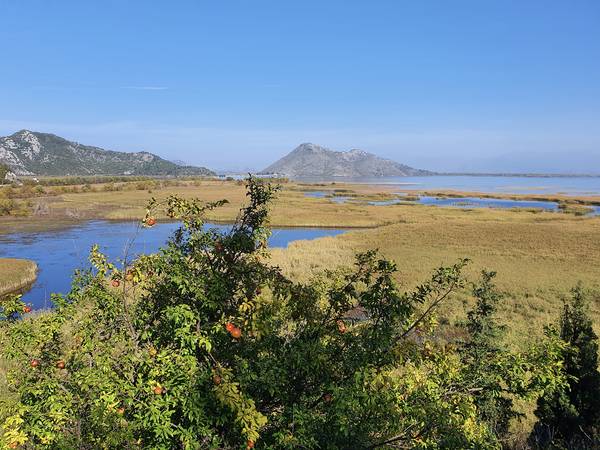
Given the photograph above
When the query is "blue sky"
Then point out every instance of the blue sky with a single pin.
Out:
(443, 85)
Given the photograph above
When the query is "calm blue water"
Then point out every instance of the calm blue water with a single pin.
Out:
(580, 186)
(477, 202)
(323, 194)
(316, 194)
(59, 253)
(463, 202)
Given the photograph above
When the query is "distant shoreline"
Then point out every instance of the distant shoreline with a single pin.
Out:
(432, 174)
(517, 175)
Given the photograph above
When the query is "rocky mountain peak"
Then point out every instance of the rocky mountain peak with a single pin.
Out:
(311, 160)
(31, 153)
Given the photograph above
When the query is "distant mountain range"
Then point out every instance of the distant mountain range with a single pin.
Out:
(32, 153)
(310, 160)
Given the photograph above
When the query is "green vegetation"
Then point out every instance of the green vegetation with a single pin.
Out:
(3, 171)
(206, 345)
(81, 180)
(569, 416)
(16, 274)
(578, 210)
(480, 355)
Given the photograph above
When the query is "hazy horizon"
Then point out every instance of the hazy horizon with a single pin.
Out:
(469, 86)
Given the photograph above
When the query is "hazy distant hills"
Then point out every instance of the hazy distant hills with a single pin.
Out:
(31, 153)
(310, 160)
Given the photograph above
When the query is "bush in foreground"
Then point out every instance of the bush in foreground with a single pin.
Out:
(206, 346)
(569, 416)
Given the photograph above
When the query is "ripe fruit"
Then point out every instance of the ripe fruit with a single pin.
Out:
(327, 398)
(34, 363)
(258, 291)
(121, 411)
(150, 221)
(341, 326)
(250, 444)
(13, 445)
(218, 247)
(26, 309)
(158, 390)
(60, 364)
(229, 326)
(115, 283)
(216, 379)
(236, 333)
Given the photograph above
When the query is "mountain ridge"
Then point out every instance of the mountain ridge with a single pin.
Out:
(311, 160)
(33, 153)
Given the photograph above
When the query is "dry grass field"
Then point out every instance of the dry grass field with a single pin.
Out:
(538, 256)
(54, 204)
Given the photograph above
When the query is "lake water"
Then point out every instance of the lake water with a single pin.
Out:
(574, 186)
(59, 253)
(478, 202)
(462, 202)
(323, 194)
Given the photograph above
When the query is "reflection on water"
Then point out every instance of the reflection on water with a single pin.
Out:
(59, 253)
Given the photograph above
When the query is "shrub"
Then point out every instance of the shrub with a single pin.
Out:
(569, 416)
(3, 171)
(7, 205)
(205, 345)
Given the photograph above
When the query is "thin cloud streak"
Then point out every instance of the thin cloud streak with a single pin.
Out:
(146, 88)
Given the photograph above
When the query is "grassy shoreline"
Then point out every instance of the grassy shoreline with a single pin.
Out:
(16, 274)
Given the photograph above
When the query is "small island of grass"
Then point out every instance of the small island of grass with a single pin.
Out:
(16, 274)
